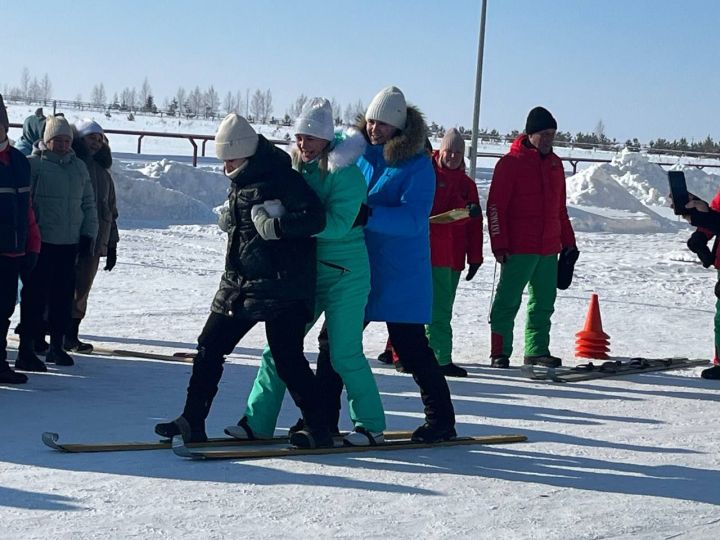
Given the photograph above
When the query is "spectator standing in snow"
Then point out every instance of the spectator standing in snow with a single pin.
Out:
(33, 128)
(327, 162)
(91, 146)
(64, 206)
(529, 226)
(401, 186)
(451, 244)
(269, 276)
(19, 237)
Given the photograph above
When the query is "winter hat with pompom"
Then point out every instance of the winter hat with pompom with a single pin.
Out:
(316, 120)
(56, 126)
(388, 106)
(235, 138)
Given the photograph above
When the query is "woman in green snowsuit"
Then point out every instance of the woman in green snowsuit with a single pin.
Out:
(343, 281)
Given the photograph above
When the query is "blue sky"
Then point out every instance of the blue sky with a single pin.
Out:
(646, 68)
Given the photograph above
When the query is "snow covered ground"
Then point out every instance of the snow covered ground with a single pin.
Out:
(632, 457)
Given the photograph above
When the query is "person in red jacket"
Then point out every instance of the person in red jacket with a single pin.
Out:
(19, 237)
(529, 226)
(451, 244)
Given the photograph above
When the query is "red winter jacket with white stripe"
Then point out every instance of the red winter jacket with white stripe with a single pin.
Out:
(526, 208)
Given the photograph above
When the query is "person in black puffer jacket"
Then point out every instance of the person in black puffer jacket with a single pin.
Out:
(269, 276)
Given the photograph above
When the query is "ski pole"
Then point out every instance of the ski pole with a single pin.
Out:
(492, 292)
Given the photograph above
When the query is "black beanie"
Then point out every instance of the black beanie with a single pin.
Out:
(539, 119)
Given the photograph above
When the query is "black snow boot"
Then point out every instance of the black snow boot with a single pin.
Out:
(453, 370)
(57, 355)
(711, 373)
(544, 360)
(242, 431)
(431, 433)
(26, 359)
(500, 361)
(305, 438)
(180, 426)
(8, 376)
(72, 341)
(300, 425)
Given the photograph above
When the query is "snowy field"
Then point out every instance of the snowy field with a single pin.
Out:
(632, 457)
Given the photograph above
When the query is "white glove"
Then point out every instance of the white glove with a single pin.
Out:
(264, 224)
(274, 208)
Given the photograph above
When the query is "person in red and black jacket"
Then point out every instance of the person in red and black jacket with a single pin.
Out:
(19, 237)
(529, 226)
(451, 244)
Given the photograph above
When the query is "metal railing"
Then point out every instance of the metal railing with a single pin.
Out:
(575, 161)
(191, 137)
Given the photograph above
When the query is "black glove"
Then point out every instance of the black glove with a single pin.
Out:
(472, 270)
(111, 259)
(28, 262)
(566, 266)
(474, 210)
(363, 215)
(697, 243)
(85, 246)
(717, 289)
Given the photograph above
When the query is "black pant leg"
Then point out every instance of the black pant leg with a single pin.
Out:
(218, 338)
(8, 294)
(285, 335)
(62, 288)
(414, 352)
(33, 298)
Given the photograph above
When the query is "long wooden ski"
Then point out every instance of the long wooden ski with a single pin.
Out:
(51, 440)
(206, 453)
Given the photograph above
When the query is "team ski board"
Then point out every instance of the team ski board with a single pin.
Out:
(51, 440)
(614, 367)
(209, 453)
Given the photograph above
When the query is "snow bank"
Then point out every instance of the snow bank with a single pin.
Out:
(168, 192)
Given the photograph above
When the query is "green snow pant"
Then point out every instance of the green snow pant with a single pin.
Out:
(540, 272)
(439, 331)
(342, 295)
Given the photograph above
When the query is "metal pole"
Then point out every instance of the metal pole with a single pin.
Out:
(478, 87)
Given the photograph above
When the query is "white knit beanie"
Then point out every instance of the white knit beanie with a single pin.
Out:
(86, 126)
(388, 106)
(235, 138)
(56, 126)
(316, 119)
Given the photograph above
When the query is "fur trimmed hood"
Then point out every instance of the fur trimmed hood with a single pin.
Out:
(347, 147)
(407, 143)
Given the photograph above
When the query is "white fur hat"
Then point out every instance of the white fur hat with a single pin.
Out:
(235, 138)
(86, 126)
(56, 126)
(388, 106)
(316, 119)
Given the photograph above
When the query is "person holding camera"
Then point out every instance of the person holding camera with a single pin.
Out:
(707, 220)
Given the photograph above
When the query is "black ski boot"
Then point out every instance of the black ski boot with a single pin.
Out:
(72, 341)
(429, 433)
(180, 426)
(305, 438)
(242, 431)
(57, 355)
(26, 359)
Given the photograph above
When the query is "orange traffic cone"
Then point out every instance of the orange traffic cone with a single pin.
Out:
(591, 341)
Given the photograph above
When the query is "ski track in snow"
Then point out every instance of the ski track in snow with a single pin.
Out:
(633, 457)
